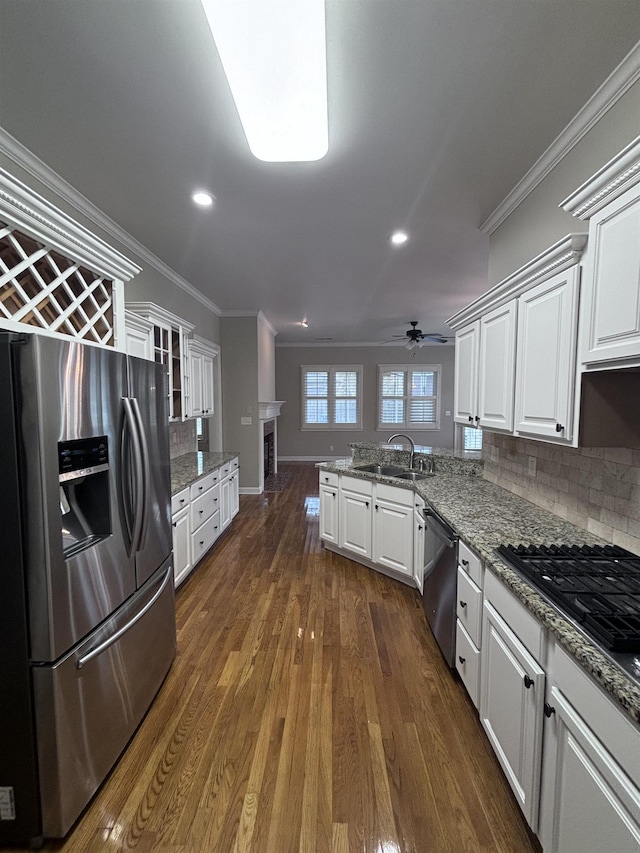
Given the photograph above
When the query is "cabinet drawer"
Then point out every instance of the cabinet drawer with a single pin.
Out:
(204, 506)
(204, 483)
(521, 621)
(329, 478)
(469, 606)
(468, 663)
(204, 537)
(471, 563)
(180, 501)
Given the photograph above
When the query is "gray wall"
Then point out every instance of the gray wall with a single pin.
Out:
(311, 444)
(537, 222)
(239, 353)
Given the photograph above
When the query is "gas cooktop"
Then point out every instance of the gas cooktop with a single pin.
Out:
(598, 586)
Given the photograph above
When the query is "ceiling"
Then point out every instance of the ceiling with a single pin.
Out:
(436, 109)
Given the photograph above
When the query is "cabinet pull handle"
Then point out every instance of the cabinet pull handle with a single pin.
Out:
(471, 418)
(464, 604)
(181, 500)
(419, 527)
(559, 427)
(477, 418)
(548, 709)
(528, 682)
(202, 541)
(461, 659)
(465, 562)
(377, 507)
(366, 503)
(175, 523)
(333, 494)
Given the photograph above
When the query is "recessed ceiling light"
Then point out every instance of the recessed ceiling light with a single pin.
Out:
(304, 324)
(399, 237)
(203, 199)
(274, 57)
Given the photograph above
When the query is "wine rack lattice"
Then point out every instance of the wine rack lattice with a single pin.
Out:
(41, 287)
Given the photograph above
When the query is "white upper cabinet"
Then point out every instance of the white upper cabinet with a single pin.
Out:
(200, 372)
(610, 321)
(466, 375)
(496, 367)
(516, 349)
(546, 357)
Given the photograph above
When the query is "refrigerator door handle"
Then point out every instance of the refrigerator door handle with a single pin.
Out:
(138, 496)
(98, 650)
(146, 475)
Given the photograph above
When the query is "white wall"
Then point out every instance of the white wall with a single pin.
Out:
(297, 444)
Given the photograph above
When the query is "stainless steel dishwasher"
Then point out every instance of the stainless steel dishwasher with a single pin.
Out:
(440, 580)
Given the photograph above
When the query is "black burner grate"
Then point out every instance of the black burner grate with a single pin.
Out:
(599, 586)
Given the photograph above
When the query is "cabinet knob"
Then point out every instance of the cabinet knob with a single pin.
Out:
(465, 562)
(559, 428)
(377, 507)
(367, 503)
(181, 500)
(200, 511)
(175, 523)
(463, 604)
(202, 541)
(528, 682)
(419, 527)
(461, 659)
(471, 418)
(477, 418)
(548, 709)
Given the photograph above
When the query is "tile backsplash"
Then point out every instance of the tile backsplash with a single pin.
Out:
(182, 438)
(596, 488)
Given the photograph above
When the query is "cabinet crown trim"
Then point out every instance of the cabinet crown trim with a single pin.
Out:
(154, 312)
(617, 176)
(23, 208)
(562, 255)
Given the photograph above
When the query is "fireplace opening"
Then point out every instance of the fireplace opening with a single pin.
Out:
(269, 454)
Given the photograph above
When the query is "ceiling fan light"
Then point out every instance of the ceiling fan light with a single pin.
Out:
(274, 57)
(411, 345)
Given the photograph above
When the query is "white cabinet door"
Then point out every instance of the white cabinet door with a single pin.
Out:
(611, 320)
(546, 357)
(589, 804)
(355, 522)
(196, 360)
(497, 367)
(511, 709)
(418, 546)
(181, 545)
(225, 503)
(234, 493)
(207, 385)
(139, 336)
(466, 374)
(329, 513)
(393, 536)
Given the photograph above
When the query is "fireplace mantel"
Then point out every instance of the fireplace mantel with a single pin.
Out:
(271, 410)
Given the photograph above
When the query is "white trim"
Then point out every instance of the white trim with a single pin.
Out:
(265, 322)
(562, 255)
(617, 176)
(156, 313)
(29, 212)
(270, 411)
(250, 490)
(25, 159)
(614, 87)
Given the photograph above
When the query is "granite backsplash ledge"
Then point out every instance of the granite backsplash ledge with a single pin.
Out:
(447, 461)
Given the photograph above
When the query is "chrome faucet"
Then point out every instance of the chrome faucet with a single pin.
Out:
(411, 442)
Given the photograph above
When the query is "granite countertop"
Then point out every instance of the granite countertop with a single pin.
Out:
(189, 467)
(486, 516)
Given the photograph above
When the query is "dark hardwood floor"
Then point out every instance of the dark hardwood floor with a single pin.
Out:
(308, 710)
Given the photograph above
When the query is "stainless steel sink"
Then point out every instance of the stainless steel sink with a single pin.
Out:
(412, 475)
(387, 470)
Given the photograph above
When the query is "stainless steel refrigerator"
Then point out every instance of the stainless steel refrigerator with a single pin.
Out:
(87, 615)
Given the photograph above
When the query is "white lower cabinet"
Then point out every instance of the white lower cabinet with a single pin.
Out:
(590, 794)
(512, 697)
(329, 507)
(418, 544)
(393, 529)
(196, 515)
(355, 515)
(469, 620)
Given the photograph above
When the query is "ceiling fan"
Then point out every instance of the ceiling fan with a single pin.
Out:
(417, 338)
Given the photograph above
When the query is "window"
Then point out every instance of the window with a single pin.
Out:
(202, 433)
(331, 396)
(408, 396)
(472, 438)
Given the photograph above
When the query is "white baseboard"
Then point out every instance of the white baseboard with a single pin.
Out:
(250, 490)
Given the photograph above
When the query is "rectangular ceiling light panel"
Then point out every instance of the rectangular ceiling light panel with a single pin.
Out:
(274, 55)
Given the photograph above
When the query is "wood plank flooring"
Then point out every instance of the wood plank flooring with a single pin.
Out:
(308, 710)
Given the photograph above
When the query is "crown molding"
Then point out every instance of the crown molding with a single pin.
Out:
(614, 87)
(617, 176)
(32, 214)
(399, 343)
(562, 255)
(265, 322)
(38, 169)
(156, 313)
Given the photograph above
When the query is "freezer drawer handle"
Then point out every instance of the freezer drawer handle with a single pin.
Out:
(80, 662)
